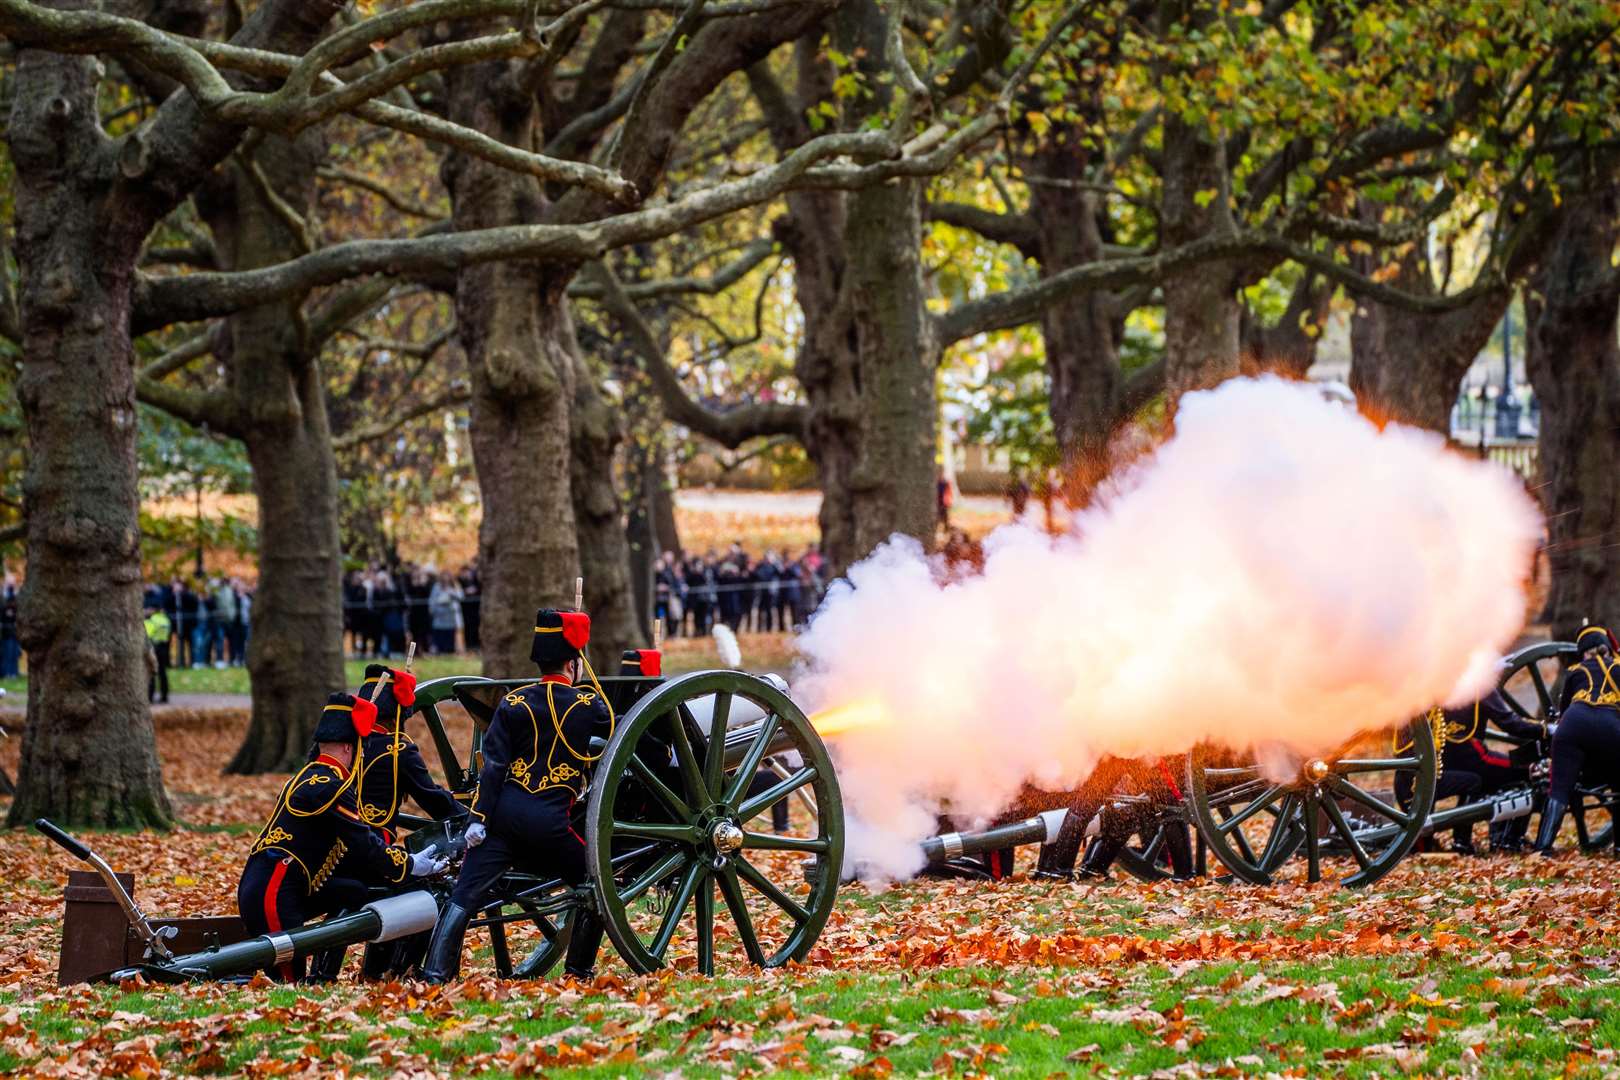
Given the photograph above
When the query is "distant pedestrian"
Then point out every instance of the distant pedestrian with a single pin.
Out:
(10, 647)
(944, 496)
(471, 605)
(418, 589)
(158, 631)
(202, 628)
(444, 609)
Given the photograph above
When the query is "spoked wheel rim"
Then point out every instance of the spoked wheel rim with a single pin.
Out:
(707, 850)
(1528, 677)
(1594, 813)
(1331, 809)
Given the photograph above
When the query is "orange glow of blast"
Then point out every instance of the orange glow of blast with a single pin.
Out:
(853, 716)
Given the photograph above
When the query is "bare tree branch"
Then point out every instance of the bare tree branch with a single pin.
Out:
(687, 284)
(406, 206)
(1016, 229)
(456, 393)
(732, 427)
(193, 348)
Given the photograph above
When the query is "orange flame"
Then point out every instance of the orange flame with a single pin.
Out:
(854, 716)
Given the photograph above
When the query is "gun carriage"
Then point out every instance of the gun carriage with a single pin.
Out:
(1353, 814)
(678, 870)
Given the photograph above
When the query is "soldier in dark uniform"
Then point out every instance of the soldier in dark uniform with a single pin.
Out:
(1465, 753)
(537, 760)
(392, 769)
(1587, 738)
(1149, 777)
(291, 875)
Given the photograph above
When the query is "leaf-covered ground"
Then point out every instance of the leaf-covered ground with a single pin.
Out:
(1489, 967)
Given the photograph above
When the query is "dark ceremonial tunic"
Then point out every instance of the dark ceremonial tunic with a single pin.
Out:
(291, 874)
(1465, 750)
(1586, 743)
(536, 762)
(392, 768)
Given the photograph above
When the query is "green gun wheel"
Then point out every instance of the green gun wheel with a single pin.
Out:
(687, 810)
(1254, 823)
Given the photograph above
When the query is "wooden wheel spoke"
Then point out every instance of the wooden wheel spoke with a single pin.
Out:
(738, 905)
(686, 757)
(1151, 851)
(1313, 841)
(1342, 827)
(705, 926)
(1358, 765)
(714, 756)
(1371, 802)
(1543, 695)
(757, 841)
(677, 905)
(750, 763)
(1239, 792)
(1243, 773)
(647, 830)
(775, 794)
(652, 876)
(1277, 846)
(662, 791)
(1266, 798)
(768, 889)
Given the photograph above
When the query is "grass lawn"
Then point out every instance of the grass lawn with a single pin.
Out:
(1182, 995)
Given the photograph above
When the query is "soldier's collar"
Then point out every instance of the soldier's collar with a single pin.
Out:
(557, 678)
(334, 762)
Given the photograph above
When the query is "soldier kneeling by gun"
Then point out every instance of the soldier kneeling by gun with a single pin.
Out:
(1586, 743)
(537, 756)
(290, 875)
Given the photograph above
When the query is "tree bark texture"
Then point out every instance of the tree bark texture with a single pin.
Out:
(604, 549)
(277, 406)
(1407, 365)
(88, 755)
(1574, 366)
(1202, 316)
(516, 330)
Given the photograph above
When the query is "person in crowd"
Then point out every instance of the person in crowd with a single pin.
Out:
(944, 496)
(418, 605)
(790, 596)
(390, 604)
(10, 646)
(290, 874)
(351, 625)
(224, 617)
(535, 772)
(668, 604)
(767, 576)
(1586, 742)
(158, 631)
(236, 631)
(202, 623)
(700, 594)
(180, 604)
(731, 584)
(471, 604)
(444, 610)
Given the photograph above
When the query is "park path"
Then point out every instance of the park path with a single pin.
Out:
(12, 707)
(807, 503)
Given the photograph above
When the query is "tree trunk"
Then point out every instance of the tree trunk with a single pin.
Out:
(604, 550)
(1289, 348)
(89, 757)
(1407, 365)
(1574, 366)
(515, 328)
(1082, 331)
(278, 408)
(661, 497)
(1202, 316)
(641, 470)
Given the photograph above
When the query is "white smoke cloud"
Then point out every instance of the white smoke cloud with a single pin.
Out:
(1280, 571)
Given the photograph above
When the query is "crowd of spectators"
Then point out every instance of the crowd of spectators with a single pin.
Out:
(693, 592)
(382, 609)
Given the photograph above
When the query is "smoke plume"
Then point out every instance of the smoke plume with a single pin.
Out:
(1280, 572)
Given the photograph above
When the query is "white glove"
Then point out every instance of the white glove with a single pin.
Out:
(429, 862)
(475, 834)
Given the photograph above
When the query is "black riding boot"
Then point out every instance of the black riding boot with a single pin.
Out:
(1099, 857)
(586, 942)
(1552, 816)
(1462, 840)
(443, 961)
(377, 962)
(326, 965)
(1057, 859)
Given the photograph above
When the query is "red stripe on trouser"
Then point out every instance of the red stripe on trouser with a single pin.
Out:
(1490, 758)
(1164, 770)
(272, 917)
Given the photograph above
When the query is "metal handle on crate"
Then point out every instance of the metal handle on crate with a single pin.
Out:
(79, 850)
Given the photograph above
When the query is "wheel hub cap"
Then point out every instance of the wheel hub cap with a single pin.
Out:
(1316, 770)
(726, 837)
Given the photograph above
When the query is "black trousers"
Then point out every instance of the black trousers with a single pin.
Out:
(540, 838)
(273, 897)
(1586, 746)
(158, 681)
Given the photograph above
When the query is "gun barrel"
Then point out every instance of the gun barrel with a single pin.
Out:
(382, 920)
(1040, 829)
